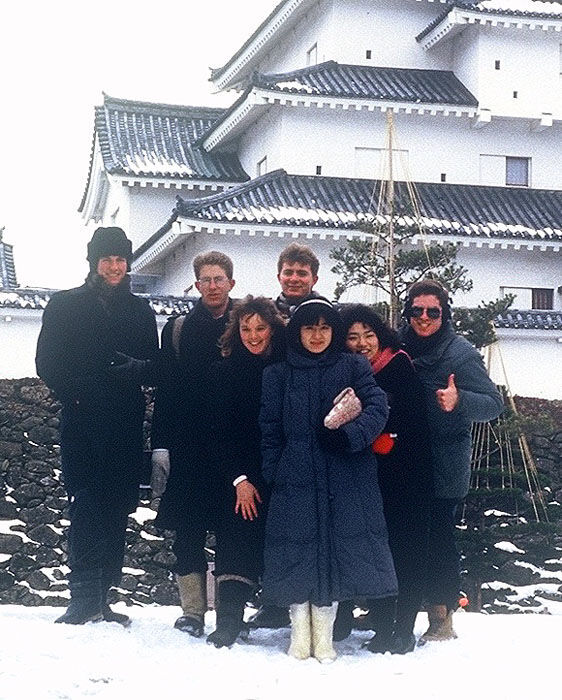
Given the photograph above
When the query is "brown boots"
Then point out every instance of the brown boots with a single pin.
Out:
(193, 596)
(440, 624)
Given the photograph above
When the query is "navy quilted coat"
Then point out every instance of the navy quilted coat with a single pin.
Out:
(326, 538)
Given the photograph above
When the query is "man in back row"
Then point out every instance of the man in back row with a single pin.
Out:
(180, 438)
(179, 429)
(297, 272)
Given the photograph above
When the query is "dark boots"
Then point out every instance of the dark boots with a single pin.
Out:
(85, 598)
(110, 615)
(270, 617)
(344, 620)
(232, 597)
(383, 611)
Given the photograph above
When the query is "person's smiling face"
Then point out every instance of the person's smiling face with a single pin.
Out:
(421, 322)
(255, 334)
(214, 287)
(112, 269)
(362, 339)
(317, 337)
(296, 280)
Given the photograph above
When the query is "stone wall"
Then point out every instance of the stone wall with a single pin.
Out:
(33, 512)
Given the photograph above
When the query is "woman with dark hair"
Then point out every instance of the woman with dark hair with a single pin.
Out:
(403, 456)
(252, 340)
(326, 538)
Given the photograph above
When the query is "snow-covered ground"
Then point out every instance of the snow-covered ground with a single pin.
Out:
(498, 657)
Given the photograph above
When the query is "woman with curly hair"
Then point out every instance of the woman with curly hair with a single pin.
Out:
(253, 339)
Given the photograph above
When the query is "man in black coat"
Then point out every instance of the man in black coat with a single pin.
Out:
(93, 352)
(180, 432)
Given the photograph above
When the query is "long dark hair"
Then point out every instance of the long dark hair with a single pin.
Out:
(230, 341)
(359, 313)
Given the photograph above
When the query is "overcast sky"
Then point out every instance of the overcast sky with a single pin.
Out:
(56, 59)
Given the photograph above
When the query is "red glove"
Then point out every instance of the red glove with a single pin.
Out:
(383, 444)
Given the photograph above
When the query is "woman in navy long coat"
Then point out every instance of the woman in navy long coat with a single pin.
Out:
(326, 537)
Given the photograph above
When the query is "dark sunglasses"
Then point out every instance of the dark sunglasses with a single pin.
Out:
(432, 311)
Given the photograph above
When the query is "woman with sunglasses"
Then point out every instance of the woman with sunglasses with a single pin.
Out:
(404, 472)
(458, 392)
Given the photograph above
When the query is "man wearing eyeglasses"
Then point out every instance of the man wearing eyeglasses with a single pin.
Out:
(458, 392)
(181, 468)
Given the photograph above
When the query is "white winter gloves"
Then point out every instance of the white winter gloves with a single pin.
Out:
(160, 471)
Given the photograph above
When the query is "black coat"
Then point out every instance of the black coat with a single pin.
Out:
(406, 482)
(235, 391)
(405, 472)
(326, 537)
(102, 416)
(182, 417)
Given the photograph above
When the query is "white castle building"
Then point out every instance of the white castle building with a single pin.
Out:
(474, 89)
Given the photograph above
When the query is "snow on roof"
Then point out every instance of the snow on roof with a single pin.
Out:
(477, 211)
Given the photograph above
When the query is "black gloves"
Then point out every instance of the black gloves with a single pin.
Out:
(332, 440)
(130, 369)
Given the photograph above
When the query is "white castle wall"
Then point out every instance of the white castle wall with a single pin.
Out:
(298, 139)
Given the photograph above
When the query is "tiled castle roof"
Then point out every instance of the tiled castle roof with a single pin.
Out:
(477, 211)
(146, 139)
(544, 320)
(370, 82)
(7, 267)
(539, 9)
(142, 138)
(170, 306)
(38, 299)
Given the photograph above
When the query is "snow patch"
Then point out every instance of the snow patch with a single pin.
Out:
(508, 547)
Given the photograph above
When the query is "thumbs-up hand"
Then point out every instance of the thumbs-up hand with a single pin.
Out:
(448, 398)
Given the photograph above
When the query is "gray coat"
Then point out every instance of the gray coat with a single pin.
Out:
(479, 401)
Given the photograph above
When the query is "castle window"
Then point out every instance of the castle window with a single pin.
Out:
(497, 65)
(536, 298)
(542, 298)
(368, 54)
(515, 94)
(517, 171)
(319, 170)
(443, 177)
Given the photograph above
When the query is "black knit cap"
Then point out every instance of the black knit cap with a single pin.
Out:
(109, 241)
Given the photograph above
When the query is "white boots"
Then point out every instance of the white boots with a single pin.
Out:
(311, 632)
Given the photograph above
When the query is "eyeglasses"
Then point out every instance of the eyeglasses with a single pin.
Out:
(433, 312)
(218, 281)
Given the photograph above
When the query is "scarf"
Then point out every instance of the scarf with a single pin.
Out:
(384, 357)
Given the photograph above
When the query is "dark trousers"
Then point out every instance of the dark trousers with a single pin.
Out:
(443, 583)
(408, 530)
(96, 536)
(239, 542)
